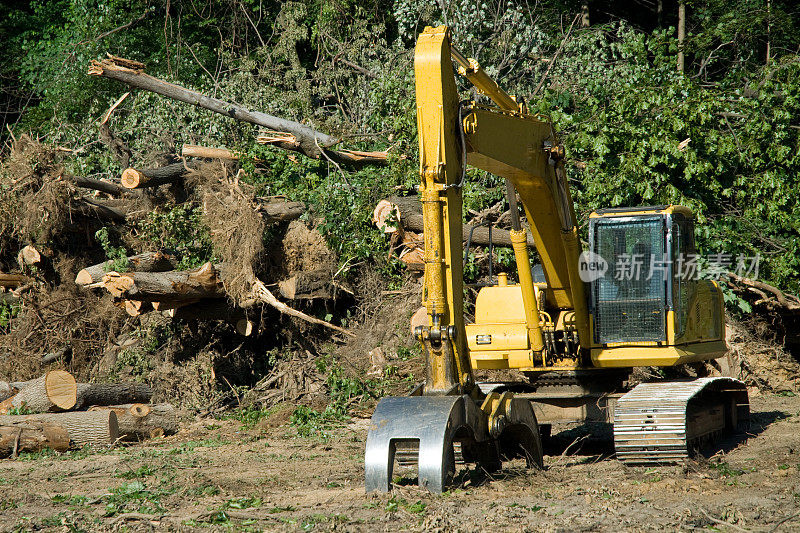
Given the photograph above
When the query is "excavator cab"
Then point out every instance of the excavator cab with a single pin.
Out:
(646, 299)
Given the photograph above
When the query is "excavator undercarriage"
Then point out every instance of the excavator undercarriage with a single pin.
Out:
(575, 335)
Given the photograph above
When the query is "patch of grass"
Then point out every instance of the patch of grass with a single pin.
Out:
(249, 416)
(725, 470)
(6, 504)
(786, 394)
(310, 522)
(394, 504)
(136, 497)
(243, 503)
(202, 490)
(531, 508)
(281, 509)
(72, 501)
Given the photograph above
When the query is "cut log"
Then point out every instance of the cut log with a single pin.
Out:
(245, 327)
(137, 307)
(206, 152)
(146, 262)
(29, 256)
(54, 391)
(154, 177)
(307, 141)
(104, 212)
(165, 286)
(13, 280)
(107, 187)
(32, 436)
(139, 421)
(282, 211)
(307, 285)
(97, 428)
(112, 393)
(410, 210)
(214, 309)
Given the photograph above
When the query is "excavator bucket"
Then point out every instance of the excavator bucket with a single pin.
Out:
(432, 431)
(431, 422)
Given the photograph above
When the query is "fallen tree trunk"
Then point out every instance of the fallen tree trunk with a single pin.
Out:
(410, 210)
(146, 262)
(98, 185)
(214, 309)
(307, 285)
(138, 421)
(54, 391)
(305, 140)
(281, 211)
(104, 212)
(112, 393)
(32, 436)
(13, 280)
(206, 152)
(98, 428)
(154, 177)
(260, 293)
(165, 286)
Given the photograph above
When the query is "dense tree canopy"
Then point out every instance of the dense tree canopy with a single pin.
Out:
(721, 136)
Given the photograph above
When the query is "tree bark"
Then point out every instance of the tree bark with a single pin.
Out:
(159, 286)
(82, 427)
(411, 218)
(13, 280)
(105, 212)
(90, 394)
(206, 152)
(214, 309)
(154, 177)
(307, 285)
(145, 262)
(98, 185)
(32, 436)
(54, 391)
(281, 211)
(306, 140)
(7, 390)
(138, 421)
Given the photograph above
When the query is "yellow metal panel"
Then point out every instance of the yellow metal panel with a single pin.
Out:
(630, 356)
(511, 145)
(497, 337)
(440, 167)
(496, 305)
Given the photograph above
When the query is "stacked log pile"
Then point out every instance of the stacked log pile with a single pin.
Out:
(54, 411)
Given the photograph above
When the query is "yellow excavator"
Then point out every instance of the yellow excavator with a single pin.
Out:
(576, 334)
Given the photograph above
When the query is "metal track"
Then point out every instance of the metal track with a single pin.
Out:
(665, 422)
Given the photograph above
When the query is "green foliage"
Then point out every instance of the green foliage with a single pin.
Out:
(344, 392)
(722, 138)
(136, 497)
(117, 257)
(22, 410)
(8, 311)
(180, 230)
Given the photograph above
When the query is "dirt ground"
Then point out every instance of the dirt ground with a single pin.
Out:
(215, 475)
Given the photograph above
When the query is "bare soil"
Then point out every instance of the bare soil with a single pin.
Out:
(216, 475)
